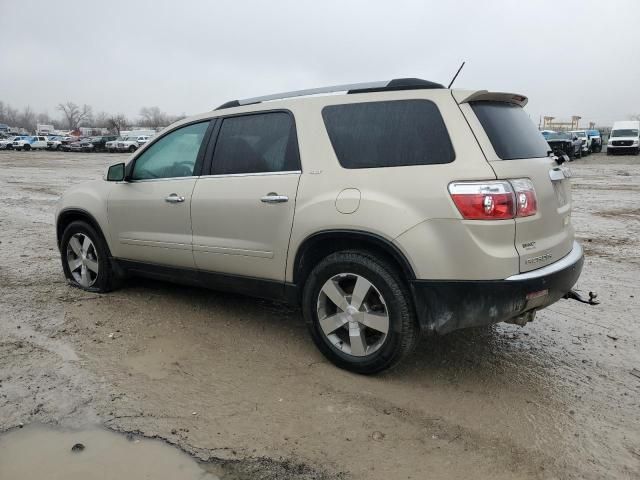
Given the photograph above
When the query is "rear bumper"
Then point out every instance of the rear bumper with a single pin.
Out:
(443, 306)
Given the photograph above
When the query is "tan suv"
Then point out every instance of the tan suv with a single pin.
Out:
(391, 209)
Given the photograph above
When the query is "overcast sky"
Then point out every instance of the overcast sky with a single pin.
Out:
(568, 57)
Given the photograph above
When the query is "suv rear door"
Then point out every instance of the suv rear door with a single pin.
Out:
(515, 149)
(242, 208)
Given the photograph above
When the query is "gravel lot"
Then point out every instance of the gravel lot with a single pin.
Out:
(238, 383)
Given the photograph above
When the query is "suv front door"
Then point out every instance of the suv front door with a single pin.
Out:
(242, 209)
(149, 213)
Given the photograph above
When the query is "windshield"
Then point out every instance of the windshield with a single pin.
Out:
(594, 133)
(131, 139)
(580, 134)
(510, 130)
(625, 132)
(558, 136)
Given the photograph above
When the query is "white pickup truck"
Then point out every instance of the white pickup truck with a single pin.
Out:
(131, 144)
(7, 143)
(30, 143)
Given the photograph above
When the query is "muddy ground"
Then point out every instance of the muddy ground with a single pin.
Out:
(237, 382)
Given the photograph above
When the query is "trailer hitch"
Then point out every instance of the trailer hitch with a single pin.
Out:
(573, 295)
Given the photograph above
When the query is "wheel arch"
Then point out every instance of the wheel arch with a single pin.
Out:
(69, 215)
(318, 245)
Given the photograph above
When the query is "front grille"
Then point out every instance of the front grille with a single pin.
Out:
(622, 143)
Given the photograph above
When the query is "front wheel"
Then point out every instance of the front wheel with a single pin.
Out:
(132, 149)
(359, 312)
(85, 258)
(27, 147)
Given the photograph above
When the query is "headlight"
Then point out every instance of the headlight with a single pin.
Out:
(635, 142)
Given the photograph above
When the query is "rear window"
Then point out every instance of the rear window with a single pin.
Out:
(388, 134)
(510, 130)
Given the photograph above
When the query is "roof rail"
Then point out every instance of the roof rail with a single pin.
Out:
(381, 86)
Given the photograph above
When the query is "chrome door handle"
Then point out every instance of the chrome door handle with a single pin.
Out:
(174, 198)
(274, 198)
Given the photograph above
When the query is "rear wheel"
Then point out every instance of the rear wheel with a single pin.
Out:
(359, 312)
(85, 258)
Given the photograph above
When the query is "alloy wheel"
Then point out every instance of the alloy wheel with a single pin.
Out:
(82, 259)
(352, 314)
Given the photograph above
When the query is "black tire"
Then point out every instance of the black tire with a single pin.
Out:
(58, 147)
(27, 147)
(403, 332)
(132, 149)
(105, 280)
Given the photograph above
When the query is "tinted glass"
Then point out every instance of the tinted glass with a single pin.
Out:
(510, 130)
(388, 134)
(558, 136)
(257, 143)
(174, 155)
(626, 132)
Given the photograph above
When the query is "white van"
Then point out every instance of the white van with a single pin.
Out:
(624, 138)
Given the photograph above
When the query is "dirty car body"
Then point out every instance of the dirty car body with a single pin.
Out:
(342, 204)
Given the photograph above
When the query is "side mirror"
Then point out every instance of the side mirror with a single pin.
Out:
(575, 138)
(115, 173)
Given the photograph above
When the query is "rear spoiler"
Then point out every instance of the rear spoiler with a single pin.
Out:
(487, 96)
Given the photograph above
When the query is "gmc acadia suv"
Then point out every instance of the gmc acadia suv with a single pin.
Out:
(393, 209)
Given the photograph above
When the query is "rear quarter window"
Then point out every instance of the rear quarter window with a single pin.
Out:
(512, 133)
(388, 134)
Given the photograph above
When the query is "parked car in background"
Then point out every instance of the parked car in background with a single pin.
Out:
(54, 143)
(7, 143)
(112, 146)
(584, 139)
(246, 207)
(80, 146)
(30, 143)
(131, 144)
(624, 138)
(67, 141)
(98, 144)
(596, 140)
(565, 143)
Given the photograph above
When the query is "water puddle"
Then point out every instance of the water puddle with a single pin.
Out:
(36, 452)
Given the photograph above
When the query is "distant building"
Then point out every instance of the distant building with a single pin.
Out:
(44, 129)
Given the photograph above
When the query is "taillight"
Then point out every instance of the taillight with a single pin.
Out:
(483, 200)
(526, 201)
(494, 200)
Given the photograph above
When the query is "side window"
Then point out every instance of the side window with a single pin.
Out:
(388, 134)
(174, 155)
(264, 142)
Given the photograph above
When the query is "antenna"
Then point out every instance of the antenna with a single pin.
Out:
(456, 75)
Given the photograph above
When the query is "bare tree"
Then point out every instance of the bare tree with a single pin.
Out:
(635, 117)
(101, 120)
(153, 117)
(117, 123)
(27, 119)
(75, 115)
